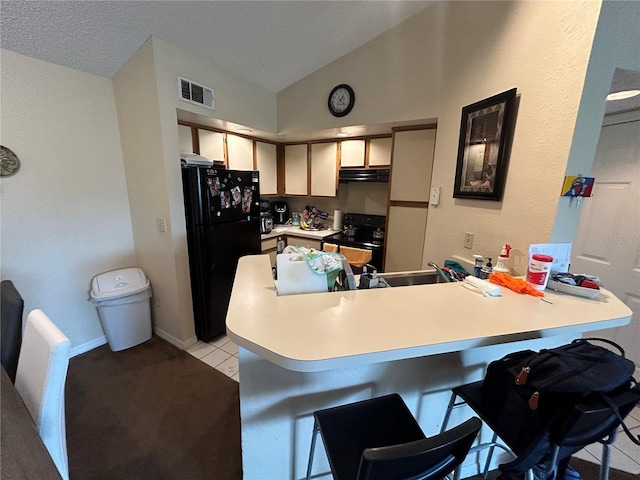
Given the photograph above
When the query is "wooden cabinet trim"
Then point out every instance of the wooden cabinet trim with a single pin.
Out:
(430, 126)
(408, 203)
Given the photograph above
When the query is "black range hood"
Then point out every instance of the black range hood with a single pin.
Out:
(364, 175)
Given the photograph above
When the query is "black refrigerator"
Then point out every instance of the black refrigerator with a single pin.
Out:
(222, 209)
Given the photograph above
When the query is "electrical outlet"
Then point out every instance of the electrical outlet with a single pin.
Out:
(161, 224)
(158, 303)
(468, 240)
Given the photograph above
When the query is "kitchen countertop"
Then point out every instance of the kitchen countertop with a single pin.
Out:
(298, 232)
(322, 331)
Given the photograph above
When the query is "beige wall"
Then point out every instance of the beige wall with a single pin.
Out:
(147, 101)
(65, 214)
(456, 53)
(541, 48)
(396, 76)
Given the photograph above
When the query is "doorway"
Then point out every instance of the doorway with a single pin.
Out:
(607, 243)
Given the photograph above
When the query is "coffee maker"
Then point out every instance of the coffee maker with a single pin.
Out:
(266, 220)
(280, 212)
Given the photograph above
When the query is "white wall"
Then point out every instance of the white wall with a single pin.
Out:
(453, 54)
(65, 214)
(616, 44)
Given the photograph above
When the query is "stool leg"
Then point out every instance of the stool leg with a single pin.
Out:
(314, 435)
(485, 472)
(447, 415)
(606, 455)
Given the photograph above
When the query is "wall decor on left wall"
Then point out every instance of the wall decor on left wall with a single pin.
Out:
(9, 162)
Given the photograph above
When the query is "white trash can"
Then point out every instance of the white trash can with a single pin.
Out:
(122, 298)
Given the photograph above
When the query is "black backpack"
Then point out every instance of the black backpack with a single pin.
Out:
(526, 391)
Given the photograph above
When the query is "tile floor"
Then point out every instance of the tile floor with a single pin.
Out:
(222, 354)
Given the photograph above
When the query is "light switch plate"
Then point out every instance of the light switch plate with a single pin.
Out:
(161, 224)
(434, 199)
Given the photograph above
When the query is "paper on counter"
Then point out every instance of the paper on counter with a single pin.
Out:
(561, 253)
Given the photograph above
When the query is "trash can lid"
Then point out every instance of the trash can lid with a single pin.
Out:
(118, 283)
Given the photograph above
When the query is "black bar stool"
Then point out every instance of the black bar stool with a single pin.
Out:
(379, 438)
(590, 421)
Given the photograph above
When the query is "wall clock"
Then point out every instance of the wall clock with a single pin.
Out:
(9, 163)
(341, 100)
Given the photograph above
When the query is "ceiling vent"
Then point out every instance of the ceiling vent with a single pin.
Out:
(193, 92)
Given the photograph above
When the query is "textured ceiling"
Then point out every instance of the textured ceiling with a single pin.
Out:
(270, 43)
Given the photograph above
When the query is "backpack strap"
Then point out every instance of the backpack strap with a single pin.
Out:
(604, 340)
(635, 439)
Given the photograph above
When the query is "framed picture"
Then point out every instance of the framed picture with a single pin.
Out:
(484, 138)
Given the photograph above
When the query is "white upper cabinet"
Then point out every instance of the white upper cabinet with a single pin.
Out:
(239, 153)
(185, 140)
(380, 152)
(267, 164)
(352, 153)
(211, 145)
(412, 164)
(324, 169)
(296, 170)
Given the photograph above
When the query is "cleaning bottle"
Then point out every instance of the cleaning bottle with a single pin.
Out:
(487, 269)
(503, 260)
(477, 269)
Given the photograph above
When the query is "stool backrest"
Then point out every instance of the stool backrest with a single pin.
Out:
(430, 458)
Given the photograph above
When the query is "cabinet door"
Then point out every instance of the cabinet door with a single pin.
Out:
(405, 239)
(351, 153)
(211, 145)
(267, 164)
(323, 169)
(303, 242)
(296, 170)
(412, 164)
(269, 246)
(185, 140)
(239, 153)
(380, 152)
(409, 197)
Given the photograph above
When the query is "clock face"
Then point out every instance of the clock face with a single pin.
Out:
(341, 100)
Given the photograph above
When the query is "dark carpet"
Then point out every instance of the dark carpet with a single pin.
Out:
(151, 411)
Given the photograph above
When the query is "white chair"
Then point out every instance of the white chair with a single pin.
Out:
(40, 380)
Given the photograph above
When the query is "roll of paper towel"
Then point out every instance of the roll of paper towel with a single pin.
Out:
(337, 219)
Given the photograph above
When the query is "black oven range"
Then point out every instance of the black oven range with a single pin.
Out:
(362, 231)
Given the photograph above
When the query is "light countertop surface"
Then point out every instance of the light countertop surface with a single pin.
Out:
(322, 331)
(298, 232)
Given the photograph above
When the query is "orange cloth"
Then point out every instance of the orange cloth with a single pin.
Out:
(358, 257)
(329, 247)
(516, 284)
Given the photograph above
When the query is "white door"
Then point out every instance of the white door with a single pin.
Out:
(607, 243)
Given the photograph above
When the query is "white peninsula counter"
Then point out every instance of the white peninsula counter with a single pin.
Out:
(300, 353)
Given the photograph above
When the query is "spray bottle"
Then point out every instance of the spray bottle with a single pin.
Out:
(503, 260)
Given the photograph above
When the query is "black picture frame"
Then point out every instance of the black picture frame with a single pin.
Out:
(485, 136)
